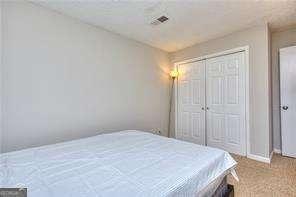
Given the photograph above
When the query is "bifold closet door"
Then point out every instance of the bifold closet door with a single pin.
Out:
(191, 102)
(225, 99)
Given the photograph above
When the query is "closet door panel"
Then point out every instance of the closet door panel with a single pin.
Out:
(235, 103)
(225, 87)
(215, 102)
(191, 101)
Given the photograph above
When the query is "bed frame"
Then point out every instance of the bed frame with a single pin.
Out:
(224, 190)
(230, 191)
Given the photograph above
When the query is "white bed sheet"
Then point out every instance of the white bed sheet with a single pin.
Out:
(126, 163)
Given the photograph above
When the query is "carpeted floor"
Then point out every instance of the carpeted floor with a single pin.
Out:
(277, 179)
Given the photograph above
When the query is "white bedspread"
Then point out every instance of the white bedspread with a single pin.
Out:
(127, 163)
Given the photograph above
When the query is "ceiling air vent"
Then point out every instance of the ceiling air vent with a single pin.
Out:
(159, 20)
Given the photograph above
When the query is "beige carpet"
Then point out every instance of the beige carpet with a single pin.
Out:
(277, 179)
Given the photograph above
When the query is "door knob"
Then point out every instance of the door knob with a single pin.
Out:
(285, 107)
(208, 108)
(202, 108)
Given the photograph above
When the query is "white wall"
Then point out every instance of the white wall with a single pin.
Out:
(257, 39)
(279, 40)
(1, 143)
(270, 93)
(63, 79)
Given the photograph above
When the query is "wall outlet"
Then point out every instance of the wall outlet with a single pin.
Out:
(156, 131)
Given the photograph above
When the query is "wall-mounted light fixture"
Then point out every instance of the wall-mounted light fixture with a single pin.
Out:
(173, 74)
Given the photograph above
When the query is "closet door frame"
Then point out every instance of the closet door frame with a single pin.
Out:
(244, 49)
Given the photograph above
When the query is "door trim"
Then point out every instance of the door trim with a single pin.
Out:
(244, 49)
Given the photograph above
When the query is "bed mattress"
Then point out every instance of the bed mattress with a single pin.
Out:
(126, 163)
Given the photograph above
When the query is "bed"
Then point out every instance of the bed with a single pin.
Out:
(125, 163)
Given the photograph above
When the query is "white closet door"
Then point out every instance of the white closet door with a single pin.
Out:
(191, 102)
(225, 98)
(288, 97)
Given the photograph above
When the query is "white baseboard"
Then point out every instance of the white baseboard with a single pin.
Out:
(278, 151)
(260, 158)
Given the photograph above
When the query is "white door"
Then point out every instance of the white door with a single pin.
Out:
(288, 100)
(225, 100)
(191, 102)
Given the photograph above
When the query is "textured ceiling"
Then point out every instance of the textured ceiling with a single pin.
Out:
(190, 22)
